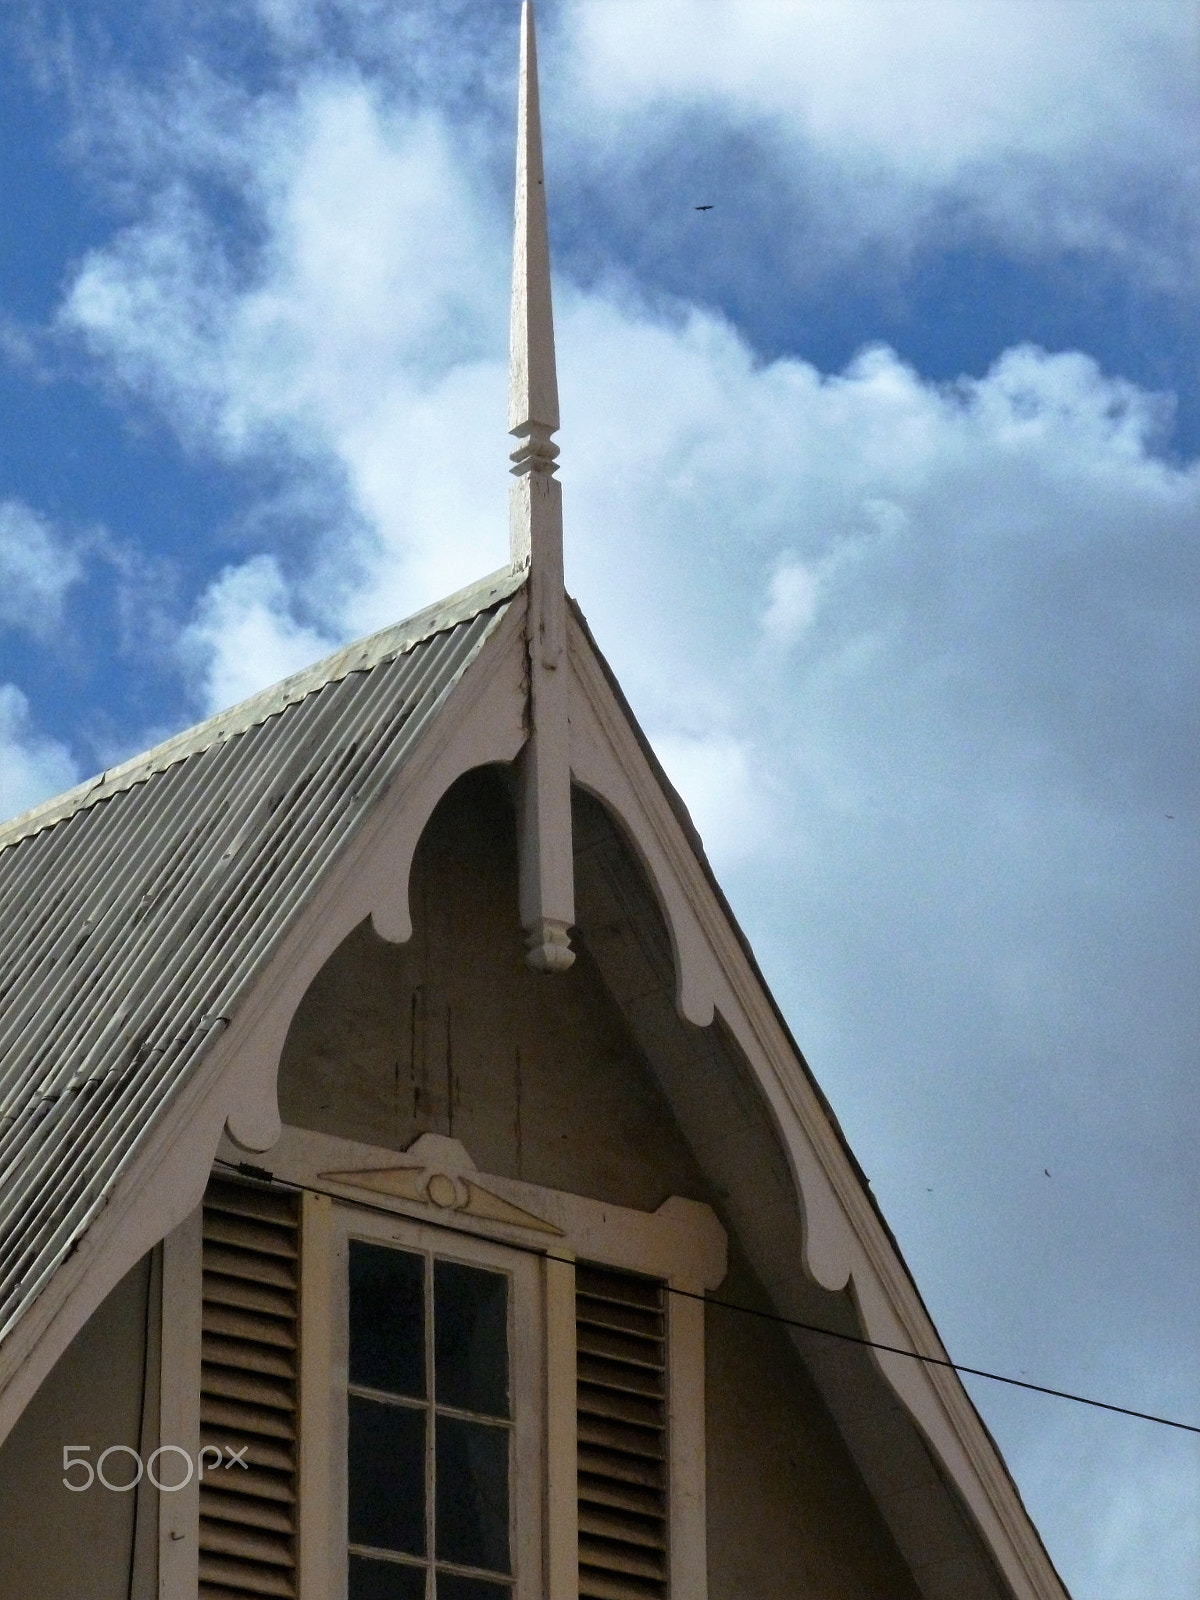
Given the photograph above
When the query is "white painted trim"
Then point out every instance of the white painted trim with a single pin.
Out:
(235, 1084)
(844, 1240)
(144, 1584)
(315, 1574)
(546, 863)
(682, 1242)
(527, 1343)
(562, 1434)
(179, 1408)
(688, 1548)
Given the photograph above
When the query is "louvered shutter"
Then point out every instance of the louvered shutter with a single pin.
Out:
(248, 1390)
(622, 1435)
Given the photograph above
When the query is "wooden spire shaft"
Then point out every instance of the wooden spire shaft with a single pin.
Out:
(535, 529)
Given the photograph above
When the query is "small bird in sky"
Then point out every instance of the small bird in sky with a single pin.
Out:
(1046, 1170)
(701, 208)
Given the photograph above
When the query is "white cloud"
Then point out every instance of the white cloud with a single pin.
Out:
(245, 637)
(365, 348)
(937, 523)
(37, 567)
(1042, 119)
(929, 86)
(713, 771)
(1001, 542)
(32, 767)
(378, 273)
(793, 601)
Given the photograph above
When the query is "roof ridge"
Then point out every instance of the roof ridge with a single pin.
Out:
(360, 655)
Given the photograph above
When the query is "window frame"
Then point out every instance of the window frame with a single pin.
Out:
(343, 1183)
(526, 1339)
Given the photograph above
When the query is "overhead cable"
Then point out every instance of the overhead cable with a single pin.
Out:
(263, 1176)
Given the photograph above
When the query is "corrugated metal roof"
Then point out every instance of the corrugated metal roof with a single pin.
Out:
(137, 910)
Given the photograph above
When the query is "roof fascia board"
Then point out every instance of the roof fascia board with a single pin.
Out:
(234, 1088)
(845, 1240)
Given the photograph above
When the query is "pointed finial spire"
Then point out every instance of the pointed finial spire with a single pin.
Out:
(547, 866)
(533, 382)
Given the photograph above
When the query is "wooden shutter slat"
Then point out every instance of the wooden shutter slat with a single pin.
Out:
(616, 1467)
(232, 1539)
(611, 1586)
(247, 1355)
(621, 1435)
(607, 1586)
(253, 1511)
(619, 1375)
(619, 1288)
(610, 1556)
(229, 1322)
(626, 1319)
(221, 1291)
(647, 1444)
(249, 1385)
(637, 1352)
(648, 1533)
(268, 1454)
(269, 1238)
(620, 1493)
(255, 1481)
(219, 1591)
(255, 1201)
(235, 1418)
(254, 1265)
(598, 1400)
(248, 1391)
(233, 1580)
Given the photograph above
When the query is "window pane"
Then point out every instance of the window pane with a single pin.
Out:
(451, 1587)
(387, 1580)
(472, 1494)
(387, 1332)
(387, 1476)
(470, 1334)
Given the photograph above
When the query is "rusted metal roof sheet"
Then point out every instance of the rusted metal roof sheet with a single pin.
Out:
(137, 910)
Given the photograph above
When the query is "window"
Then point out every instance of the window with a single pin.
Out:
(441, 1414)
(429, 1426)
(461, 1386)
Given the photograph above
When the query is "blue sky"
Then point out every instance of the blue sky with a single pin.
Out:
(882, 494)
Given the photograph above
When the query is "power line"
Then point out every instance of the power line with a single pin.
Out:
(936, 1361)
(261, 1175)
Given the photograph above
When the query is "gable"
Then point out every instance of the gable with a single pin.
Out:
(592, 1083)
(665, 980)
(543, 1081)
